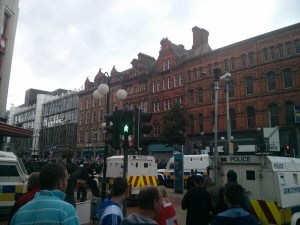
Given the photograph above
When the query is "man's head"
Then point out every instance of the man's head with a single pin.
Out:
(198, 180)
(233, 194)
(231, 176)
(33, 181)
(54, 177)
(150, 198)
(119, 187)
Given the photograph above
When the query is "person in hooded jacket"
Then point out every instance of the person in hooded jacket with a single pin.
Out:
(235, 214)
(110, 210)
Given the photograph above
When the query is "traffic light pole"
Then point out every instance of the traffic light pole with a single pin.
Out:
(125, 152)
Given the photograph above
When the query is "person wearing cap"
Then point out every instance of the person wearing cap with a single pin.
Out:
(221, 205)
(198, 204)
(235, 214)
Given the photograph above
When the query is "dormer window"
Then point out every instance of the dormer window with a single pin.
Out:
(164, 65)
(169, 64)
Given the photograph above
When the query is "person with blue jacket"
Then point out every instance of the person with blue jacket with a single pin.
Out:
(235, 214)
(110, 211)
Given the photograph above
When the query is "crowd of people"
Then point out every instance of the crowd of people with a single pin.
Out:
(50, 200)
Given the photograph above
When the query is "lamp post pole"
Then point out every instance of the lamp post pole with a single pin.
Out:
(104, 89)
(217, 73)
(103, 185)
(228, 118)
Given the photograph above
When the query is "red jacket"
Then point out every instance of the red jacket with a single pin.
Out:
(167, 215)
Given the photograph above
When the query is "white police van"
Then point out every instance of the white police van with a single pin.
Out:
(13, 180)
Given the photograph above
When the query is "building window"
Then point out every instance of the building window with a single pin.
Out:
(86, 136)
(287, 78)
(167, 104)
(250, 117)
(156, 129)
(232, 63)
(81, 119)
(157, 86)
(265, 55)
(243, 60)
(209, 70)
(232, 116)
(213, 92)
(192, 128)
(271, 81)
(191, 97)
(273, 115)
(164, 65)
(189, 75)
(100, 116)
(178, 100)
(156, 106)
(289, 113)
(195, 74)
(225, 65)
(180, 80)
(6, 18)
(201, 72)
(280, 51)
(251, 58)
(297, 46)
(164, 84)
(272, 53)
(87, 118)
(200, 95)
(169, 64)
(153, 86)
(81, 137)
(288, 49)
(94, 117)
(200, 122)
(249, 86)
(169, 82)
(231, 89)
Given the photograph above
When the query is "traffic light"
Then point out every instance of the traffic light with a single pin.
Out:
(288, 149)
(113, 134)
(126, 122)
(141, 127)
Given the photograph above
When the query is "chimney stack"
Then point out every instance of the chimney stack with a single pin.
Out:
(200, 37)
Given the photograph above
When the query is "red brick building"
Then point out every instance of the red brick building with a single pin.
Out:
(264, 86)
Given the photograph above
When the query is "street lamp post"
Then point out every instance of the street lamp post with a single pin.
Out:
(217, 73)
(104, 89)
(226, 78)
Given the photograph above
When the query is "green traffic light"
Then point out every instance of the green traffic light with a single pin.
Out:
(126, 129)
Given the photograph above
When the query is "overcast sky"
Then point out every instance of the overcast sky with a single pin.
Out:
(59, 43)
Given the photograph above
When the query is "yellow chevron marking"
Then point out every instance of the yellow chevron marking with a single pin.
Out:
(154, 180)
(261, 216)
(274, 210)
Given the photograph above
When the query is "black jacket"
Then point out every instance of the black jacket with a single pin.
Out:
(198, 205)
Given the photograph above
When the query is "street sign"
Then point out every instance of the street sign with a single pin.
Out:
(297, 113)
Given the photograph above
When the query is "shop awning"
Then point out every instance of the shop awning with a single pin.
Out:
(12, 131)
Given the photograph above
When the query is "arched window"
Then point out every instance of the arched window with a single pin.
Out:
(200, 122)
(250, 117)
(271, 78)
(287, 78)
(192, 127)
(249, 86)
(273, 115)
(289, 113)
(200, 95)
(156, 129)
(232, 116)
